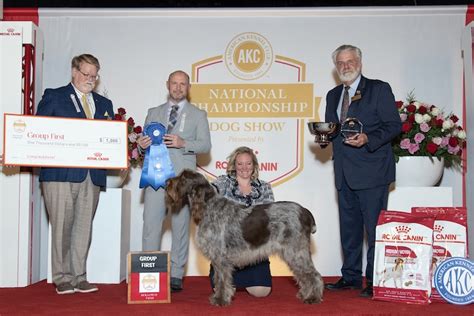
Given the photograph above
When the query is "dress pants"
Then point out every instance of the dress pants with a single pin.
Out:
(154, 214)
(71, 208)
(359, 208)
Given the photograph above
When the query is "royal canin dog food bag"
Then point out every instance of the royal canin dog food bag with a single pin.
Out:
(449, 237)
(403, 253)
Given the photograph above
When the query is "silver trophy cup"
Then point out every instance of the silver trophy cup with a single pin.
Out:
(323, 131)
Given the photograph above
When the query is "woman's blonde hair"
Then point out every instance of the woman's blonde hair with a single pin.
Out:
(233, 156)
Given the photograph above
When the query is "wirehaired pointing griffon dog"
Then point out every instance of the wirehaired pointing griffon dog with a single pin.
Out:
(230, 234)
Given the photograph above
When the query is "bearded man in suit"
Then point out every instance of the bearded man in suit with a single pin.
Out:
(364, 164)
(71, 195)
(188, 135)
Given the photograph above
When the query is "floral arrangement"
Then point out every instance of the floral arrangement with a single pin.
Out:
(134, 156)
(427, 131)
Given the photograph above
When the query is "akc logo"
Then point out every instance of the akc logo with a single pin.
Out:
(149, 282)
(249, 56)
(454, 280)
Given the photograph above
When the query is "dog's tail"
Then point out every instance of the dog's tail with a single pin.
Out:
(309, 218)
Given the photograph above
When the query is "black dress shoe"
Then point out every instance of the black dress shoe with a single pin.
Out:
(344, 285)
(176, 284)
(368, 291)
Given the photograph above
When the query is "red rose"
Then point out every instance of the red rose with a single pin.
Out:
(453, 141)
(438, 122)
(454, 118)
(121, 111)
(422, 110)
(406, 127)
(411, 118)
(411, 108)
(431, 148)
(130, 121)
(118, 117)
(399, 104)
(137, 129)
(459, 153)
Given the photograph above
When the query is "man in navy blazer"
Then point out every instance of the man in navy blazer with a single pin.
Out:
(71, 195)
(364, 164)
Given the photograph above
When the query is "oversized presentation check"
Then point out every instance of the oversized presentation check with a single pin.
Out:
(43, 141)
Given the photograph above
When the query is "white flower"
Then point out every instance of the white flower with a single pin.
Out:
(426, 118)
(454, 132)
(435, 111)
(132, 137)
(437, 140)
(419, 118)
(417, 104)
(462, 134)
(447, 124)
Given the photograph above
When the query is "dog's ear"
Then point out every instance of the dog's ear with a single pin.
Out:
(173, 198)
(198, 198)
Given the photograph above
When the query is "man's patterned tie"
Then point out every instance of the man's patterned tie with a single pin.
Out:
(173, 117)
(345, 103)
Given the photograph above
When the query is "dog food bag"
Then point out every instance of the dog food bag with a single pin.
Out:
(403, 252)
(449, 237)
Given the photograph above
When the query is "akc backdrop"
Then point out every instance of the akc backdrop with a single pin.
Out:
(262, 74)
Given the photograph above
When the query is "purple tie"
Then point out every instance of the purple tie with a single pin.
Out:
(345, 103)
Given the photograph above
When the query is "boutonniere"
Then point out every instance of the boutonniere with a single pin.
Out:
(357, 96)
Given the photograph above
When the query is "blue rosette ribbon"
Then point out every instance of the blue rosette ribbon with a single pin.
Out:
(157, 165)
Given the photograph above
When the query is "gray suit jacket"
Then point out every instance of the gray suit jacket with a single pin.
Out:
(192, 126)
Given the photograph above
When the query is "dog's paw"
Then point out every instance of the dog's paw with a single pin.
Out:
(218, 301)
(312, 300)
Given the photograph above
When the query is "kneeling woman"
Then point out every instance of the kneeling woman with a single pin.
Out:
(241, 184)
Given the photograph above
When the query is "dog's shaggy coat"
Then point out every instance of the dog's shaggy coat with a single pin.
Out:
(230, 234)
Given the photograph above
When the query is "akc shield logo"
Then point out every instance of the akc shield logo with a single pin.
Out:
(256, 99)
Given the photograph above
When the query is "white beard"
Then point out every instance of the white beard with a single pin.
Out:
(349, 76)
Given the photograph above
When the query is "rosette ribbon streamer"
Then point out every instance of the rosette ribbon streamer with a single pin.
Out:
(157, 166)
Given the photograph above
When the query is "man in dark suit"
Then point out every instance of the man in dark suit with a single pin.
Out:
(71, 195)
(364, 164)
(188, 135)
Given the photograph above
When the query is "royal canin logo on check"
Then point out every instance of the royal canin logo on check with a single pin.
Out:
(98, 156)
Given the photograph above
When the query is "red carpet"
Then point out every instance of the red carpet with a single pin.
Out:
(41, 298)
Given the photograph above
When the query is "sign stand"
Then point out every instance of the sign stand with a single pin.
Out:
(149, 277)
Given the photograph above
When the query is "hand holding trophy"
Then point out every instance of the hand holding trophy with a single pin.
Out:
(351, 128)
(323, 132)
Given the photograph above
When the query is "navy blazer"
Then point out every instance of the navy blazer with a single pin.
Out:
(373, 164)
(58, 102)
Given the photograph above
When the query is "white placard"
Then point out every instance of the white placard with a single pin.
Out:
(41, 141)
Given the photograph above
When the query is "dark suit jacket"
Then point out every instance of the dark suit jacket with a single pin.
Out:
(58, 102)
(373, 164)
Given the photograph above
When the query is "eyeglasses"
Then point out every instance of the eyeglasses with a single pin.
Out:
(89, 76)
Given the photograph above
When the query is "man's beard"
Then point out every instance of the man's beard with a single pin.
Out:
(349, 76)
